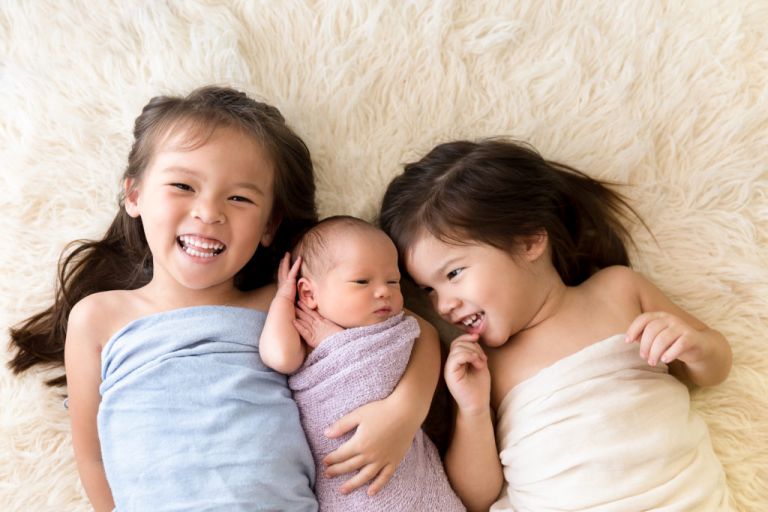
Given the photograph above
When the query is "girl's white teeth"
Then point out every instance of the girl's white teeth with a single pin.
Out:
(470, 320)
(196, 247)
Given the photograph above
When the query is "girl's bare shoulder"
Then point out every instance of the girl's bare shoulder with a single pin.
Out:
(616, 278)
(616, 287)
(98, 316)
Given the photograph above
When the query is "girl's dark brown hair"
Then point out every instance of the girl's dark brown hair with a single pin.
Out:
(122, 260)
(497, 192)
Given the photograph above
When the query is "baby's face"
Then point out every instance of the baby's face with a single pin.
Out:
(362, 287)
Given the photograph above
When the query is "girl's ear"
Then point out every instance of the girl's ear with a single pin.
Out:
(131, 197)
(306, 292)
(535, 245)
(269, 230)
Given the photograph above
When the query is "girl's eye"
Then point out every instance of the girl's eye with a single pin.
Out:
(240, 199)
(454, 273)
(361, 281)
(394, 281)
(182, 186)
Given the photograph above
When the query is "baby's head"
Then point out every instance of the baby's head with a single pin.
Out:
(349, 272)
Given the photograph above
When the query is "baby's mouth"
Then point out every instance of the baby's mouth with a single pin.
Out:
(199, 246)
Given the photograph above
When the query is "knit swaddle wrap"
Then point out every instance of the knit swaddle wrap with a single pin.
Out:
(191, 419)
(350, 369)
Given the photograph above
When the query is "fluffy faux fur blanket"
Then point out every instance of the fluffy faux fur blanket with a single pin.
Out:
(669, 99)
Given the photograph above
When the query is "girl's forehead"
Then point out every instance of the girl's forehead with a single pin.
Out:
(426, 241)
(190, 134)
(224, 154)
(426, 250)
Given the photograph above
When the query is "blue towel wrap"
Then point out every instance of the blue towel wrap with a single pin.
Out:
(191, 420)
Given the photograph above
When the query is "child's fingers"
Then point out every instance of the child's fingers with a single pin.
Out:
(462, 345)
(637, 326)
(340, 454)
(364, 475)
(295, 267)
(303, 315)
(286, 271)
(661, 342)
(309, 312)
(678, 348)
(461, 356)
(381, 480)
(467, 341)
(303, 329)
(282, 269)
(345, 466)
(649, 334)
(339, 428)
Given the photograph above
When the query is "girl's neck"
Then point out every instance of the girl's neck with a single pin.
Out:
(168, 296)
(553, 296)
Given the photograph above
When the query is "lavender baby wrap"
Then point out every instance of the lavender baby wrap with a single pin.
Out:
(190, 418)
(350, 369)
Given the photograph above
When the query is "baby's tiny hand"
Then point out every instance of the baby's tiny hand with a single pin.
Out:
(467, 375)
(665, 337)
(286, 277)
(312, 326)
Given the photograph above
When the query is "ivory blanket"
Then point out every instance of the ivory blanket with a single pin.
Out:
(601, 430)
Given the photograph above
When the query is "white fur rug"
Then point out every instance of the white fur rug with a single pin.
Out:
(671, 100)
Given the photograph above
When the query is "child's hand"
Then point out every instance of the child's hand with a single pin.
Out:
(467, 375)
(381, 441)
(312, 326)
(665, 337)
(286, 277)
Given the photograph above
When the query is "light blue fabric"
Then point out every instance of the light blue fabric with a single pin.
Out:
(191, 419)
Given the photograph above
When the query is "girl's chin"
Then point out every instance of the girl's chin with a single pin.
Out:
(491, 340)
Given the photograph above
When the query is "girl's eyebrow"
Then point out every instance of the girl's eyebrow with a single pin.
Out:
(191, 172)
(447, 263)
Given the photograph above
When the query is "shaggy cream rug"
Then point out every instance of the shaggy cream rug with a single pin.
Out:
(670, 99)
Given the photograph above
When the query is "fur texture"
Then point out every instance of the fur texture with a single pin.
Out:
(671, 100)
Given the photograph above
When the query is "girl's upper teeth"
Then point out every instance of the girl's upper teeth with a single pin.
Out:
(470, 319)
(195, 242)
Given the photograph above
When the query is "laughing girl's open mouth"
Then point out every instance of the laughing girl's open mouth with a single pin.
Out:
(200, 247)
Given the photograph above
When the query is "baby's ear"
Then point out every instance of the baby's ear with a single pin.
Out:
(535, 245)
(131, 189)
(306, 292)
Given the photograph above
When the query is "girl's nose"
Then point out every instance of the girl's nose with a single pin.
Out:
(382, 291)
(445, 306)
(208, 212)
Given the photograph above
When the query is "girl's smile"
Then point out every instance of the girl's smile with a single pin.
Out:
(200, 247)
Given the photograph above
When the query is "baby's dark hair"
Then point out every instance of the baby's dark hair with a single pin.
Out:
(122, 259)
(314, 246)
(499, 192)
